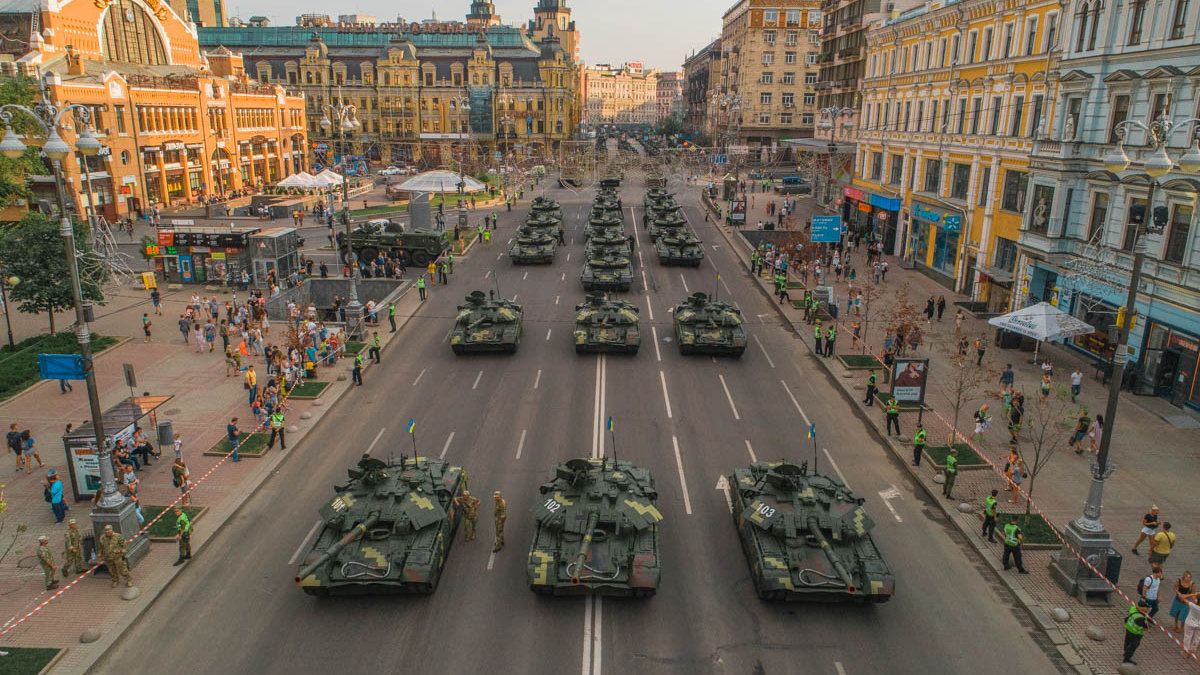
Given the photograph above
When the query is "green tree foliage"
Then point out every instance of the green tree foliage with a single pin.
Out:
(20, 91)
(32, 251)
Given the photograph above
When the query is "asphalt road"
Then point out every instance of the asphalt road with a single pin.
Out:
(236, 610)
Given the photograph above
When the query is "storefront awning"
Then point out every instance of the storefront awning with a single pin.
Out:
(996, 274)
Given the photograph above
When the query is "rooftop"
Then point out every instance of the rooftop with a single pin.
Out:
(499, 37)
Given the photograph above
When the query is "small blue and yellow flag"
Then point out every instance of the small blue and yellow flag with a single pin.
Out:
(411, 426)
(812, 430)
(612, 426)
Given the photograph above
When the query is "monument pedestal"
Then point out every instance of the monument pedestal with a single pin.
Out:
(1078, 579)
(124, 521)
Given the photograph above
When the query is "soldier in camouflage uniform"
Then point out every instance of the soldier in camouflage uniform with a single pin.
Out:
(112, 550)
(470, 509)
(73, 551)
(501, 516)
(46, 560)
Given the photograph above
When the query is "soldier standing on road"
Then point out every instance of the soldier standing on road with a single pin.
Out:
(112, 551)
(46, 560)
(470, 509)
(951, 473)
(421, 287)
(73, 551)
(918, 444)
(1013, 538)
(501, 516)
(871, 390)
(442, 279)
(989, 516)
(893, 415)
(183, 535)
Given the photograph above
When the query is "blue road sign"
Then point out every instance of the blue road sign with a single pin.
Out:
(61, 367)
(826, 229)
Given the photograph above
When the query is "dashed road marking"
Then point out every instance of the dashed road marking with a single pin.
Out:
(521, 444)
(446, 446)
(477, 379)
(525, 276)
(537, 380)
(685, 286)
(419, 376)
(764, 351)
(649, 307)
(750, 449)
(687, 500)
(835, 467)
(654, 334)
(548, 334)
(795, 402)
(662, 377)
(304, 542)
(729, 397)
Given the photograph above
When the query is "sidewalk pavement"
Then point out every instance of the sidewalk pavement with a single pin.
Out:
(1161, 472)
(204, 401)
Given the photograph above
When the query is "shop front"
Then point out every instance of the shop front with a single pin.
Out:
(1170, 364)
(872, 216)
(200, 255)
(934, 241)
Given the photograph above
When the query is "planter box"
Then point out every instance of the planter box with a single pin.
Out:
(860, 362)
(1039, 533)
(353, 348)
(967, 459)
(31, 660)
(307, 391)
(254, 445)
(883, 396)
(164, 529)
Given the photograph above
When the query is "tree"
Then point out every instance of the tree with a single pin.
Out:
(32, 251)
(20, 91)
(903, 318)
(1047, 424)
(964, 383)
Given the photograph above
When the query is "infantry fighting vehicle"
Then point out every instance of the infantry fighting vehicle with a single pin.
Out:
(484, 325)
(679, 247)
(532, 246)
(806, 536)
(607, 202)
(388, 530)
(607, 273)
(704, 326)
(418, 245)
(571, 177)
(667, 223)
(603, 325)
(597, 531)
(547, 206)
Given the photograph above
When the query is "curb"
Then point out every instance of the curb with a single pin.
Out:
(1064, 648)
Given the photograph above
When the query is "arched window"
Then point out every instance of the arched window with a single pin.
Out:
(1081, 19)
(131, 36)
(1096, 9)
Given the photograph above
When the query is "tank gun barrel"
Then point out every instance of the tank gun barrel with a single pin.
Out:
(584, 546)
(814, 528)
(350, 537)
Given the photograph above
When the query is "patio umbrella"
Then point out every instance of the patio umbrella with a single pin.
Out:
(1042, 321)
(328, 178)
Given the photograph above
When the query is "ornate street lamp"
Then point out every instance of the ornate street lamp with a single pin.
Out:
(342, 120)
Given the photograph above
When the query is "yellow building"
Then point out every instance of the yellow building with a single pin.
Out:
(953, 97)
(626, 94)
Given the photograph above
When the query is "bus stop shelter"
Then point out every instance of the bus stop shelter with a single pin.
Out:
(120, 421)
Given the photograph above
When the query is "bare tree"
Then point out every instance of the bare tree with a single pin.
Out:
(1047, 424)
(903, 318)
(963, 384)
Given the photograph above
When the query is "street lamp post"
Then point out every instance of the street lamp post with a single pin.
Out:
(1086, 534)
(4, 284)
(112, 508)
(342, 119)
(464, 106)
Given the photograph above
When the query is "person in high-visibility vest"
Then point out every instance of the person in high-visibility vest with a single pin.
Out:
(1135, 627)
(1013, 538)
(893, 415)
(817, 335)
(950, 473)
(871, 390)
(421, 287)
(918, 444)
(830, 338)
(989, 516)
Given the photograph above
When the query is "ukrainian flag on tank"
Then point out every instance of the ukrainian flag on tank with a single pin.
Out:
(812, 430)
(411, 426)
(612, 426)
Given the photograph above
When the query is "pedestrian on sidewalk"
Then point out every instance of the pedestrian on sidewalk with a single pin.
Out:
(830, 338)
(198, 338)
(145, 328)
(421, 287)
(277, 429)
(1082, 423)
(156, 300)
(177, 445)
(52, 490)
(892, 412)
(356, 371)
(982, 421)
(950, 473)
(918, 444)
(941, 306)
(250, 383)
(989, 516)
(1135, 627)
(1096, 433)
(1076, 383)
(1016, 478)
(234, 436)
(871, 390)
(980, 349)
(1148, 588)
(958, 322)
(183, 535)
(181, 478)
(376, 343)
(1184, 586)
(1046, 386)
(1161, 545)
(46, 560)
(184, 328)
(1015, 416)
(930, 310)
(1191, 627)
(29, 451)
(1006, 379)
(1013, 539)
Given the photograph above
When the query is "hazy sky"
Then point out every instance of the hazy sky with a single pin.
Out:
(659, 33)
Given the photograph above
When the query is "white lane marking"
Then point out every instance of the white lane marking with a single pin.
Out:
(667, 399)
(795, 402)
(492, 560)
(597, 635)
(723, 486)
(685, 286)
(750, 449)
(537, 380)
(725, 285)
(446, 446)
(657, 353)
(515, 296)
(556, 299)
(645, 285)
(596, 408)
(603, 406)
(510, 240)
(887, 496)
(419, 376)
(526, 276)
(587, 635)
(487, 274)
(687, 500)
(838, 666)
(448, 333)
(521, 444)
(548, 334)
(304, 543)
(563, 277)
(729, 397)
(764, 351)
(377, 437)
(835, 467)
(568, 257)
(477, 379)
(649, 307)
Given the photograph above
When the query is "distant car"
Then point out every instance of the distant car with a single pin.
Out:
(392, 171)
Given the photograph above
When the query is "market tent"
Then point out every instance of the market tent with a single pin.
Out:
(298, 180)
(1042, 321)
(440, 182)
(327, 178)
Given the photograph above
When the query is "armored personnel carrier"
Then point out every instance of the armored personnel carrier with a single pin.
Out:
(484, 325)
(388, 530)
(597, 531)
(603, 325)
(704, 326)
(679, 247)
(806, 537)
(532, 246)
(668, 223)
(417, 245)
(607, 273)
(547, 206)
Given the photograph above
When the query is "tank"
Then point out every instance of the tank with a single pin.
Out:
(607, 273)
(610, 202)
(417, 245)
(547, 206)
(806, 536)
(604, 218)
(484, 325)
(604, 325)
(656, 180)
(679, 247)
(596, 531)
(548, 224)
(388, 530)
(609, 237)
(704, 326)
(668, 223)
(612, 180)
(532, 246)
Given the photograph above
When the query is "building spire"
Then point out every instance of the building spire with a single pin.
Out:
(483, 14)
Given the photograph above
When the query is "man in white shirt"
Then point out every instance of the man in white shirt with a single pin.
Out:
(1076, 383)
(1150, 586)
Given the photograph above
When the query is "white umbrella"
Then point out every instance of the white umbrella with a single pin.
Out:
(1042, 321)
(440, 182)
(328, 178)
(298, 180)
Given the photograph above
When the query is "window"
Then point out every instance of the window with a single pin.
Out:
(793, 17)
(810, 78)
(791, 38)
(765, 98)
(1074, 105)
(1018, 110)
(1005, 255)
(987, 45)
(768, 58)
(769, 37)
(972, 45)
(764, 118)
(1095, 24)
(1081, 19)
(1138, 206)
(1159, 106)
(785, 118)
(962, 114)
(920, 115)
(946, 116)
(788, 99)
(876, 165)
(119, 113)
(897, 173)
(789, 58)
(1178, 232)
(907, 114)
(806, 119)
(1043, 201)
(789, 78)
(985, 185)
(771, 15)
(1137, 21)
(976, 109)
(933, 175)
(1035, 118)
(1099, 215)
(997, 107)
(810, 98)
(1008, 38)
(1179, 20)
(954, 44)
(933, 118)
(1120, 113)
(1051, 31)
(1015, 185)
(1030, 35)
(960, 180)
(814, 37)
(810, 59)
(767, 78)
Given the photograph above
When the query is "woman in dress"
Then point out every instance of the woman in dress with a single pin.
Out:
(1096, 433)
(1184, 587)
